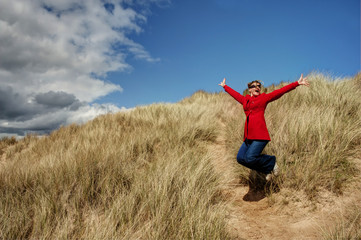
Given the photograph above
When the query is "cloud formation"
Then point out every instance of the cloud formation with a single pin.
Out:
(55, 57)
(55, 99)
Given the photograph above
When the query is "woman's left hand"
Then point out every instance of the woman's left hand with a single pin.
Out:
(303, 81)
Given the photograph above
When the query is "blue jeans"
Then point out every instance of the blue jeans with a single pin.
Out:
(249, 155)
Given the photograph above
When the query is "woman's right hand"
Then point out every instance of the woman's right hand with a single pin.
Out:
(223, 83)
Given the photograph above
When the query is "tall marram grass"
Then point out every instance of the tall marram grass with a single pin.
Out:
(150, 173)
(144, 174)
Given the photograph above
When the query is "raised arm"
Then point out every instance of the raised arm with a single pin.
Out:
(276, 94)
(236, 95)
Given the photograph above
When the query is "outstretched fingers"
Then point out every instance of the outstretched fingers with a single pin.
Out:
(303, 81)
(223, 83)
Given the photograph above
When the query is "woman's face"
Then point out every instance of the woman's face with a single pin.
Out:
(255, 89)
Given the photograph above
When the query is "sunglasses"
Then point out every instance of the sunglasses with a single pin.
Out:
(254, 86)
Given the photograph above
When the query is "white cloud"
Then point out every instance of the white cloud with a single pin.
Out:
(88, 112)
(67, 46)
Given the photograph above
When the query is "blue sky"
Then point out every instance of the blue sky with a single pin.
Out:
(68, 61)
(200, 42)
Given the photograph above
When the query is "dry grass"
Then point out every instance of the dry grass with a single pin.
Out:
(5, 143)
(347, 226)
(144, 174)
(149, 174)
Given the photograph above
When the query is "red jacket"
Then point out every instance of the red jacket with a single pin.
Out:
(255, 127)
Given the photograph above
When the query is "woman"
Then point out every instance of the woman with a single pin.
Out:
(256, 135)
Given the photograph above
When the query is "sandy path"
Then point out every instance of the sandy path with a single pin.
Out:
(261, 220)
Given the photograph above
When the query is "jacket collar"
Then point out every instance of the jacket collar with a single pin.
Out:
(249, 96)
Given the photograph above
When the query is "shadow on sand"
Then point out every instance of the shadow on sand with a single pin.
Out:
(259, 187)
